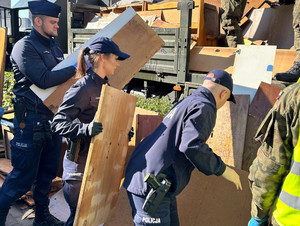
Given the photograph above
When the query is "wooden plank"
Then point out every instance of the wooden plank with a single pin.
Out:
(228, 136)
(162, 24)
(135, 38)
(212, 200)
(5, 166)
(157, 13)
(246, 79)
(106, 158)
(3, 41)
(263, 101)
(201, 26)
(167, 5)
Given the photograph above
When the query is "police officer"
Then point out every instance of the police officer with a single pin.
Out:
(293, 74)
(176, 147)
(74, 118)
(275, 173)
(35, 151)
(231, 14)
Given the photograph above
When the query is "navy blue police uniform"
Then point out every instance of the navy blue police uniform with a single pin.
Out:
(175, 148)
(73, 118)
(35, 151)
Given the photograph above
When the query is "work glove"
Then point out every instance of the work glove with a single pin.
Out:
(130, 134)
(1, 111)
(259, 222)
(94, 128)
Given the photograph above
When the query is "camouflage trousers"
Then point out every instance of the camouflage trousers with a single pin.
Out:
(231, 14)
(296, 26)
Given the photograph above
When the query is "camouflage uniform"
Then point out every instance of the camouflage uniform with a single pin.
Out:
(278, 133)
(296, 26)
(231, 14)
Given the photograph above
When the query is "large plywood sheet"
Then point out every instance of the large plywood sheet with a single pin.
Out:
(3, 40)
(106, 158)
(263, 101)
(133, 36)
(212, 200)
(252, 65)
(228, 136)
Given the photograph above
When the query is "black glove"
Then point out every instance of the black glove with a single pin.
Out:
(94, 128)
(130, 134)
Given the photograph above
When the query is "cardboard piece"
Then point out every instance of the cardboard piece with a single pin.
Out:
(106, 158)
(228, 136)
(272, 24)
(263, 101)
(3, 41)
(252, 65)
(129, 31)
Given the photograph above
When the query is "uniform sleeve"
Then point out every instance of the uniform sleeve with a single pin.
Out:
(65, 121)
(273, 160)
(197, 128)
(32, 66)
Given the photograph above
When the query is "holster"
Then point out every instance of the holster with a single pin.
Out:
(73, 149)
(19, 109)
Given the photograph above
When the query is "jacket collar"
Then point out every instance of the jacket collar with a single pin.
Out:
(49, 42)
(204, 92)
(98, 80)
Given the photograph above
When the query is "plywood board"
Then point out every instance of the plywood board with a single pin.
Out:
(212, 200)
(284, 60)
(5, 166)
(3, 41)
(133, 36)
(106, 158)
(252, 65)
(263, 101)
(228, 136)
(205, 59)
(146, 124)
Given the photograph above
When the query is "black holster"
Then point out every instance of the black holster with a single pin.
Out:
(73, 149)
(19, 109)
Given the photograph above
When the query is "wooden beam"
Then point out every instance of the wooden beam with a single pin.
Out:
(106, 158)
(3, 42)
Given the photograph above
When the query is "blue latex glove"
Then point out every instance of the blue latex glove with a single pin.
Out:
(259, 222)
(1, 111)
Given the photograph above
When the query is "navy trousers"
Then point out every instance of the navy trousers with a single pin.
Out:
(35, 166)
(166, 214)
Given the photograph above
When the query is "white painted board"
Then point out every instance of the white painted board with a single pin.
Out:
(252, 65)
(109, 31)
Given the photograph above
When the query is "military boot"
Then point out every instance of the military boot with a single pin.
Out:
(291, 75)
(44, 218)
(3, 215)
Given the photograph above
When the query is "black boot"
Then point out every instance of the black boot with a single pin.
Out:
(291, 75)
(3, 215)
(44, 218)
